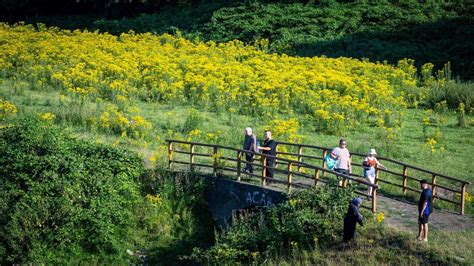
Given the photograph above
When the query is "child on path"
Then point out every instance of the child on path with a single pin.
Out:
(369, 164)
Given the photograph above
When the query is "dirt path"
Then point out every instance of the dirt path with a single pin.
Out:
(403, 215)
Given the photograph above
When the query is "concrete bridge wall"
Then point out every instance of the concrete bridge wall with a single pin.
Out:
(225, 197)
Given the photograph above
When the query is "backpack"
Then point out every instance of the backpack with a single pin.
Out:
(366, 164)
(330, 162)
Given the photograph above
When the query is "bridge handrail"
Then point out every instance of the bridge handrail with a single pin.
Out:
(379, 158)
(298, 163)
(403, 174)
(264, 157)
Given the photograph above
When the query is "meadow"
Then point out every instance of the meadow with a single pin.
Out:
(135, 90)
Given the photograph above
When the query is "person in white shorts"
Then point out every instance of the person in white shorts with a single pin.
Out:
(369, 164)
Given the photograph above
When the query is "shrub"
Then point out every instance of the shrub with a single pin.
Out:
(310, 218)
(452, 93)
(62, 198)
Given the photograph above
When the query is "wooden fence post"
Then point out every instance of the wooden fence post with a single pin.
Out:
(239, 163)
(374, 199)
(170, 155)
(264, 170)
(404, 179)
(191, 157)
(300, 159)
(316, 176)
(433, 186)
(463, 197)
(290, 176)
(325, 152)
(214, 168)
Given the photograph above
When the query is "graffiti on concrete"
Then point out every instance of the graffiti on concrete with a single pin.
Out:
(258, 198)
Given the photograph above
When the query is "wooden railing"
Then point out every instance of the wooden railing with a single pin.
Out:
(218, 160)
(442, 185)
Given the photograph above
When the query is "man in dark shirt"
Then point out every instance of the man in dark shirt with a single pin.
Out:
(250, 144)
(269, 148)
(425, 208)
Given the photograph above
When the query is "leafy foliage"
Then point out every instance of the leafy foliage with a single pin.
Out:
(174, 217)
(310, 218)
(63, 198)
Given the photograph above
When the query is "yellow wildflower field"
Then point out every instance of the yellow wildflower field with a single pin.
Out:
(226, 76)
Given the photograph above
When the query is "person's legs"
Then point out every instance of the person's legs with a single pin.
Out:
(425, 227)
(425, 231)
(420, 229)
(269, 171)
(369, 188)
(248, 165)
(339, 178)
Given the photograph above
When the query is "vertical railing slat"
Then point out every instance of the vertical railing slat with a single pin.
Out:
(433, 186)
(214, 168)
(239, 164)
(264, 170)
(191, 157)
(404, 179)
(170, 155)
(290, 176)
(300, 158)
(463, 197)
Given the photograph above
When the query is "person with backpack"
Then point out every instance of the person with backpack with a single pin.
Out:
(425, 208)
(343, 157)
(352, 218)
(369, 164)
(250, 145)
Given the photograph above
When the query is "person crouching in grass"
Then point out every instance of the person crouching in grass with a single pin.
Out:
(353, 217)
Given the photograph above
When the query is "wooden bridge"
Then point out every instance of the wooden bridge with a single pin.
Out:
(295, 169)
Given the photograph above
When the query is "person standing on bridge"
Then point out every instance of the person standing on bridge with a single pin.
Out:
(425, 208)
(353, 217)
(369, 164)
(343, 157)
(250, 144)
(269, 148)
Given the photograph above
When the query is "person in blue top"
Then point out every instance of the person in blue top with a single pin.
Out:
(425, 208)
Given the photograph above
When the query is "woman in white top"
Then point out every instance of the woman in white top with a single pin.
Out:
(369, 164)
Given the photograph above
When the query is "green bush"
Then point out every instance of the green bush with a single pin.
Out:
(452, 93)
(63, 198)
(175, 217)
(310, 218)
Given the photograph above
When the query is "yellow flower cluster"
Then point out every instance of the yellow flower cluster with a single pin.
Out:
(380, 217)
(154, 200)
(285, 131)
(6, 108)
(48, 116)
(119, 122)
(225, 76)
